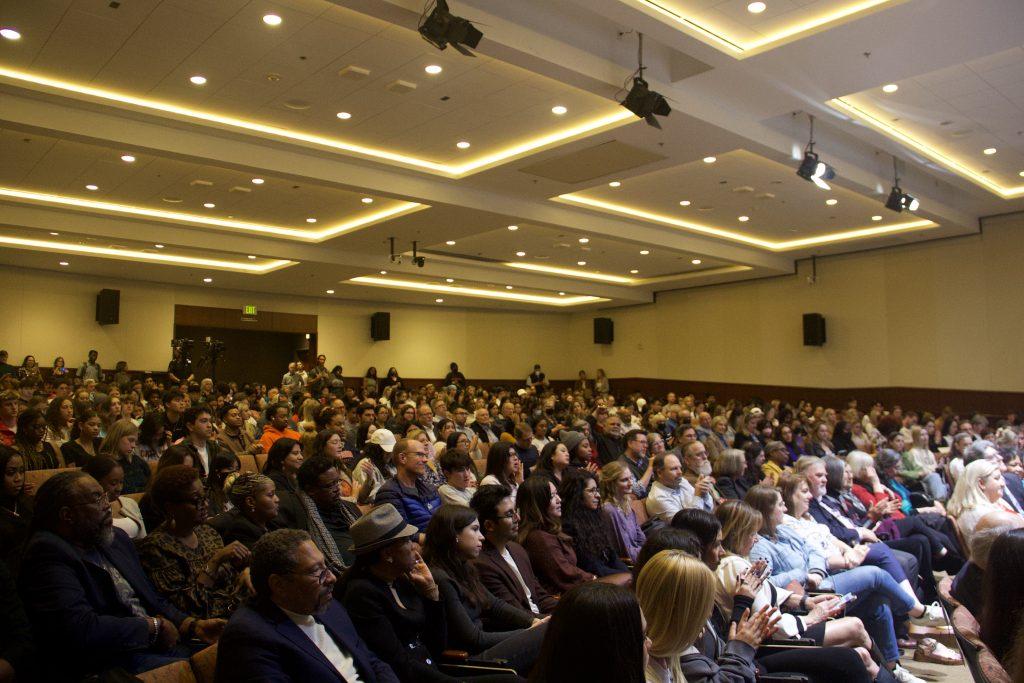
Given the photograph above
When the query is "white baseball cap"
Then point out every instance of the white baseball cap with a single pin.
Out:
(384, 438)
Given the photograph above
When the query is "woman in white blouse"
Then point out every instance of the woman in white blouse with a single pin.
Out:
(110, 475)
(978, 491)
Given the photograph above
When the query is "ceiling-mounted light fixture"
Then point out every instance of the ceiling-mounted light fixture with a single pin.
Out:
(898, 200)
(812, 168)
(640, 99)
(442, 28)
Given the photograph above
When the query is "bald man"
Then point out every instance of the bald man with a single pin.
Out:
(967, 584)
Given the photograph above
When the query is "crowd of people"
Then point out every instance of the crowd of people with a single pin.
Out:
(386, 532)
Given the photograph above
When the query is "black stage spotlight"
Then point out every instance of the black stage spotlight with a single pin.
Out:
(442, 28)
(898, 200)
(812, 168)
(643, 101)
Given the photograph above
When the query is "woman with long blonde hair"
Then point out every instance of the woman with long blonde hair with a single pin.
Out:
(119, 444)
(978, 491)
(616, 482)
(677, 593)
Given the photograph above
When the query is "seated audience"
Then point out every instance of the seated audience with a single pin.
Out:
(84, 588)
(967, 584)
(119, 444)
(319, 509)
(636, 460)
(283, 462)
(152, 516)
(60, 416)
(293, 629)
(233, 435)
(453, 540)
(392, 598)
(919, 464)
(184, 557)
(504, 565)
(540, 533)
(254, 506)
(616, 487)
(457, 467)
(978, 491)
(888, 463)
(776, 462)
(414, 499)
(277, 427)
(729, 469)
(503, 468)
(594, 608)
(15, 507)
(224, 464)
(590, 528)
(1003, 596)
(330, 443)
(376, 465)
(30, 441)
(554, 462)
(127, 515)
(670, 491)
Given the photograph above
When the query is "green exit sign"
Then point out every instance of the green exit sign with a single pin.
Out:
(249, 310)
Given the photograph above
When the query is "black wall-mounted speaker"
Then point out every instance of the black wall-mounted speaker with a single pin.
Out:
(108, 306)
(380, 326)
(604, 331)
(814, 329)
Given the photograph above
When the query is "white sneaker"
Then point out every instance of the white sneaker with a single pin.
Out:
(904, 676)
(933, 616)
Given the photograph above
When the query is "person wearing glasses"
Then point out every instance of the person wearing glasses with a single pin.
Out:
(185, 557)
(294, 630)
(413, 497)
(323, 513)
(503, 565)
(84, 587)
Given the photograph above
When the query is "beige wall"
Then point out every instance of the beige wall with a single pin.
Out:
(942, 314)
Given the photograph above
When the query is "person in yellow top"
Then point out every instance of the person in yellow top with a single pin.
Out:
(776, 461)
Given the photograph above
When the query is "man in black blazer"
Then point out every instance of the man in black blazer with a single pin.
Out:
(294, 630)
(503, 564)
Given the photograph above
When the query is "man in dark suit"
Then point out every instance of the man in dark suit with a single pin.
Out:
(294, 630)
(503, 564)
(84, 589)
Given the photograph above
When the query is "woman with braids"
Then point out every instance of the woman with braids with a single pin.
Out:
(255, 504)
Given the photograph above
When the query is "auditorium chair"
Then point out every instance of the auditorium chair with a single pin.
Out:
(37, 477)
(983, 664)
(246, 463)
(458, 663)
(261, 461)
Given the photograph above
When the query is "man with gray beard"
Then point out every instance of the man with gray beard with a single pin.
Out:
(86, 592)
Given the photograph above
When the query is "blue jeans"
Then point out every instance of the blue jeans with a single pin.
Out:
(880, 555)
(934, 486)
(878, 597)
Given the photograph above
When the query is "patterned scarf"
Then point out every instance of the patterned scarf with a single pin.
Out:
(322, 536)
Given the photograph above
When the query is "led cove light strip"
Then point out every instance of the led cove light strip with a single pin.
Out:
(747, 239)
(569, 272)
(619, 117)
(253, 267)
(740, 49)
(938, 157)
(291, 233)
(476, 292)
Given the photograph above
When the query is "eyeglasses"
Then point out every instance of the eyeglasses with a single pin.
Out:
(95, 499)
(319, 574)
(331, 486)
(511, 514)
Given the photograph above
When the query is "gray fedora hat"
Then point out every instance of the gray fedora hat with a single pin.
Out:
(379, 527)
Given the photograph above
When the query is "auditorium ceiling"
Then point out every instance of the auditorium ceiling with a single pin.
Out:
(284, 145)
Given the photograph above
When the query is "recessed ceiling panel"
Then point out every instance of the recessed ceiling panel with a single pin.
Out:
(594, 162)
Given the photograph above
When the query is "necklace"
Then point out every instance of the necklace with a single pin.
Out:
(13, 511)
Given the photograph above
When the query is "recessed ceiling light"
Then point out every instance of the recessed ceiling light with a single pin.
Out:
(92, 188)
(207, 280)
(584, 240)
(685, 202)
(645, 252)
(311, 220)
(558, 110)
(581, 263)
(520, 253)
(257, 181)
(513, 228)
(383, 272)
(756, 7)
(198, 80)
(343, 115)
(251, 257)
(271, 20)
(439, 301)
(330, 291)
(449, 280)
(710, 160)
(367, 200)
(876, 218)
(634, 271)
(10, 34)
(831, 202)
(433, 69)
(743, 219)
(695, 261)
(63, 263)
(210, 205)
(508, 286)
(462, 144)
(561, 294)
(159, 246)
(450, 243)
(127, 158)
(890, 87)
(54, 233)
(990, 151)
(614, 183)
